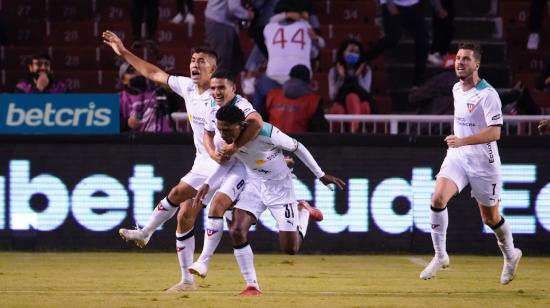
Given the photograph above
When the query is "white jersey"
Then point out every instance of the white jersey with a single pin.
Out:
(475, 110)
(287, 45)
(197, 107)
(239, 101)
(263, 156)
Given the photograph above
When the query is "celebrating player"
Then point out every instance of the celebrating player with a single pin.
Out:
(268, 186)
(196, 92)
(472, 158)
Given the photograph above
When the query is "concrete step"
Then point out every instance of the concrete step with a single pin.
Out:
(494, 52)
(400, 75)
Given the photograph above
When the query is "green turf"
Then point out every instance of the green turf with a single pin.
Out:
(137, 280)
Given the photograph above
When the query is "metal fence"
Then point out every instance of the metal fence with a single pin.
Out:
(399, 124)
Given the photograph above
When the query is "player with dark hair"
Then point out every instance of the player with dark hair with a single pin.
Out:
(196, 92)
(268, 186)
(472, 158)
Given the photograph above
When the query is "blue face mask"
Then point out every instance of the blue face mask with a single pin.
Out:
(352, 58)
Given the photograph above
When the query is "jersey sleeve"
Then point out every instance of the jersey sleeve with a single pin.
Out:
(245, 106)
(492, 108)
(180, 84)
(210, 123)
(287, 143)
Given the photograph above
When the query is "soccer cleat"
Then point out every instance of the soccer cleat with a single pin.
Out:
(198, 268)
(314, 214)
(251, 291)
(181, 287)
(435, 265)
(137, 235)
(509, 269)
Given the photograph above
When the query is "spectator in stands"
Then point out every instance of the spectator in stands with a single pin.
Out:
(40, 78)
(396, 16)
(294, 108)
(222, 25)
(148, 9)
(3, 34)
(349, 81)
(435, 95)
(185, 13)
(542, 82)
(288, 42)
(141, 110)
(442, 30)
(518, 101)
(536, 11)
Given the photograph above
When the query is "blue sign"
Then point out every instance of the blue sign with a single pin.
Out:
(59, 114)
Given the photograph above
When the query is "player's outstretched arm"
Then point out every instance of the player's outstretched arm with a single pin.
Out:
(145, 68)
(292, 145)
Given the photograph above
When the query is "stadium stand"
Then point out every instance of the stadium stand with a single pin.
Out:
(70, 31)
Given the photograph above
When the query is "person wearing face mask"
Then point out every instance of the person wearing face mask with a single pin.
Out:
(140, 110)
(40, 78)
(349, 82)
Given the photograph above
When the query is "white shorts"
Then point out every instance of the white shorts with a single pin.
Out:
(485, 188)
(233, 183)
(275, 195)
(201, 170)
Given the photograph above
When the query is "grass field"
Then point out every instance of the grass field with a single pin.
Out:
(137, 280)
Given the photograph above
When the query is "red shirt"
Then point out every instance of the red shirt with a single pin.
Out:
(291, 115)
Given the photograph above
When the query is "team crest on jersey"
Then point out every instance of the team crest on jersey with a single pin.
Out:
(471, 106)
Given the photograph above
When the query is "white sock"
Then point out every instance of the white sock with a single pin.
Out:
(185, 248)
(213, 232)
(161, 214)
(245, 259)
(303, 221)
(440, 221)
(505, 240)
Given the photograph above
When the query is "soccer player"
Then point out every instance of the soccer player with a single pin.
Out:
(223, 88)
(196, 92)
(268, 186)
(472, 158)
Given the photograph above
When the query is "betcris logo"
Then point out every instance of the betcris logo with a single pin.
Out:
(59, 114)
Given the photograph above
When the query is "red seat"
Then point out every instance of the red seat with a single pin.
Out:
(9, 78)
(81, 34)
(170, 35)
(114, 10)
(29, 34)
(70, 10)
(516, 37)
(23, 10)
(89, 81)
(529, 60)
(71, 58)
(514, 13)
(335, 34)
(16, 57)
(345, 12)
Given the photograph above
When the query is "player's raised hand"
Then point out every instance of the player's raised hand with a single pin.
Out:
(199, 198)
(328, 179)
(113, 41)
